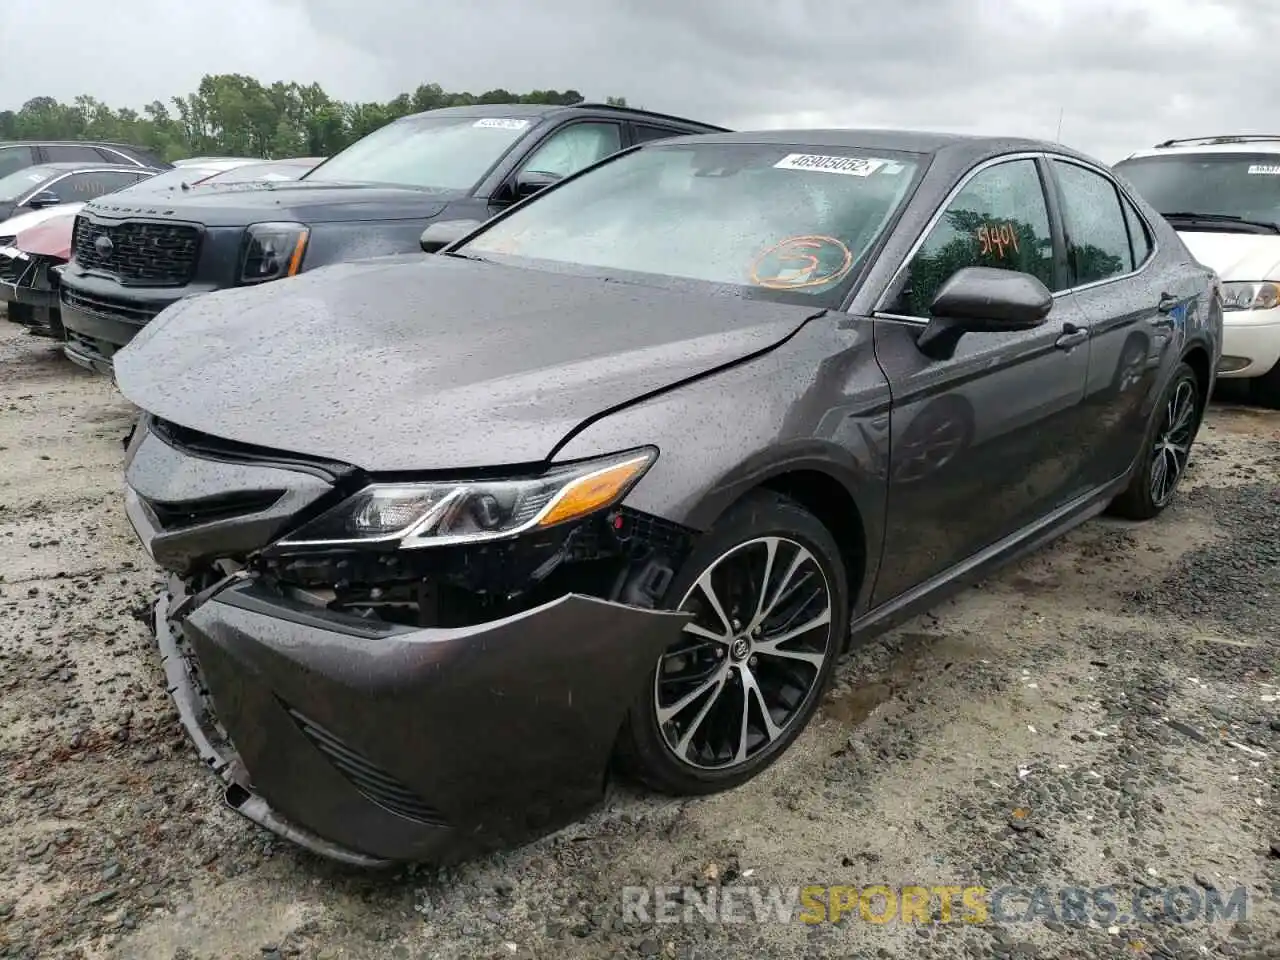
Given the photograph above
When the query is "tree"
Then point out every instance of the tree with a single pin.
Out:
(236, 115)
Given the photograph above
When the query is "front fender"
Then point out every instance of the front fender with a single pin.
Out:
(816, 404)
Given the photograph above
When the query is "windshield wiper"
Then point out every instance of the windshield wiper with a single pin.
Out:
(1223, 218)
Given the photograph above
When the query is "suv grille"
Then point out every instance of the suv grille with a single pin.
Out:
(140, 253)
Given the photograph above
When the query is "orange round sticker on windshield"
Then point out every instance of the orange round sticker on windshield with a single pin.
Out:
(799, 262)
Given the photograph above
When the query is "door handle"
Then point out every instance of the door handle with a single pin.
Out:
(1072, 336)
(1167, 303)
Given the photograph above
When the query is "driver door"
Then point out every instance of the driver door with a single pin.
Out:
(988, 441)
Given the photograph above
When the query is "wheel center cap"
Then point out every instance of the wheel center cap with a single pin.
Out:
(740, 649)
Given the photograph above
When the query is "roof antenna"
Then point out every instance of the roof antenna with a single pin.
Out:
(1058, 138)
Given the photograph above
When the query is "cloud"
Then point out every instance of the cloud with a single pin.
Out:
(1121, 73)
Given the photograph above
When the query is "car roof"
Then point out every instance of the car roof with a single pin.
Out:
(1224, 143)
(958, 147)
(540, 110)
(73, 143)
(64, 166)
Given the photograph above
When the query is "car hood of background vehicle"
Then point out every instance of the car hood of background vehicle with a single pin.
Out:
(430, 362)
(235, 205)
(1236, 256)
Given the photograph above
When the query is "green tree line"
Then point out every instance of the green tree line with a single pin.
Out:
(236, 115)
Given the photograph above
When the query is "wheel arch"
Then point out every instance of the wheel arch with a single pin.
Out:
(1197, 357)
(840, 498)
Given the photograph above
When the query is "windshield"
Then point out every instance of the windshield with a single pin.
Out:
(19, 184)
(441, 153)
(779, 221)
(1223, 184)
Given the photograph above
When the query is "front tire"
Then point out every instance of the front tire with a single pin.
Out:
(1166, 448)
(769, 596)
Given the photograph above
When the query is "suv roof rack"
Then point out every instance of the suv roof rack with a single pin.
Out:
(650, 113)
(1223, 138)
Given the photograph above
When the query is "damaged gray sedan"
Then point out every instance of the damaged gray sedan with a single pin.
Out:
(612, 481)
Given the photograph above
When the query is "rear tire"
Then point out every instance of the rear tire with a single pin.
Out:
(764, 571)
(1265, 390)
(1166, 448)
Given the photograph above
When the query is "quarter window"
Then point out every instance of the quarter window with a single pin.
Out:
(1139, 235)
(999, 219)
(1097, 237)
(574, 147)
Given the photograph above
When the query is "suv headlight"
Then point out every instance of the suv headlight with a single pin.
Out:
(409, 515)
(272, 250)
(1250, 296)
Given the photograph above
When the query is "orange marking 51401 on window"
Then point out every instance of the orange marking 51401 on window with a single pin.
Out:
(997, 238)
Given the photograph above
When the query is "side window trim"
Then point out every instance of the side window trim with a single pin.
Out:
(1121, 198)
(880, 310)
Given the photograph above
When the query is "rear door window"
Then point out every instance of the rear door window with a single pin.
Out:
(88, 186)
(71, 153)
(1097, 235)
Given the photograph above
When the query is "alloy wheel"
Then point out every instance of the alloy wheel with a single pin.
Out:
(750, 658)
(1173, 442)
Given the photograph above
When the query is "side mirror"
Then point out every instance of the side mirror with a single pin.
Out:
(983, 300)
(439, 235)
(45, 198)
(530, 182)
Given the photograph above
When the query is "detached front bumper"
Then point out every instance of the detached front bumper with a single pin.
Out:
(372, 743)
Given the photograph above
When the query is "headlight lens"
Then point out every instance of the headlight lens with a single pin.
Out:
(272, 251)
(1250, 296)
(451, 512)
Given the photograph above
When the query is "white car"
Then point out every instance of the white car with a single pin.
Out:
(15, 225)
(1222, 195)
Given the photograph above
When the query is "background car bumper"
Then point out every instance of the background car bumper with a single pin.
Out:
(1253, 336)
(368, 742)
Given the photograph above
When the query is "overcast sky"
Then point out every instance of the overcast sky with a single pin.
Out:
(1123, 73)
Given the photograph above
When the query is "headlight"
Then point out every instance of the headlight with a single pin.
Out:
(272, 251)
(1250, 296)
(449, 512)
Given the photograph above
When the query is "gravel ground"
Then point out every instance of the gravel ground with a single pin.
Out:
(1104, 712)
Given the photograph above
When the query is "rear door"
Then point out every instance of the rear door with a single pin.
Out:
(1132, 305)
(987, 442)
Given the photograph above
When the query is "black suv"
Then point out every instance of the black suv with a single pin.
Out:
(17, 155)
(132, 257)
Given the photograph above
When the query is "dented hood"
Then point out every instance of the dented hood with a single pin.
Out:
(430, 362)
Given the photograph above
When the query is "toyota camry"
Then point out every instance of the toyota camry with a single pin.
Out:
(611, 482)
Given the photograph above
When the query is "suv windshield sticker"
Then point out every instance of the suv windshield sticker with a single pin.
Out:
(848, 166)
(501, 123)
(799, 262)
(1269, 169)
